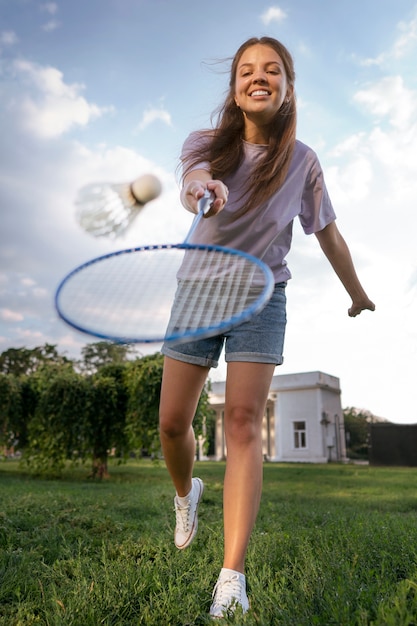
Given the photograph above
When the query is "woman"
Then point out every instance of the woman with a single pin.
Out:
(261, 178)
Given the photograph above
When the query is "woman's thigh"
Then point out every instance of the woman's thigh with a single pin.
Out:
(181, 387)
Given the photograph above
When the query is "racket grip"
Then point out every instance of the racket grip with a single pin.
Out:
(204, 205)
(206, 201)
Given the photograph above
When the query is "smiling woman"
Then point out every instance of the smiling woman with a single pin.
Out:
(261, 89)
(261, 179)
(267, 120)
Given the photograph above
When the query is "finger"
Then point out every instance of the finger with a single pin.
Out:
(216, 206)
(219, 189)
(196, 191)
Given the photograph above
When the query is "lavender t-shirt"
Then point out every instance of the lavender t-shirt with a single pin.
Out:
(266, 232)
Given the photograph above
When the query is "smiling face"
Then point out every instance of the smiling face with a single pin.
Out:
(261, 87)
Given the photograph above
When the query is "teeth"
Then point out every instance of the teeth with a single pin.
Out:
(260, 92)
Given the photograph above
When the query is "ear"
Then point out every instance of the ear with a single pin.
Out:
(290, 93)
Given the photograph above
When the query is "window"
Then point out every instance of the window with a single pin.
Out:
(300, 435)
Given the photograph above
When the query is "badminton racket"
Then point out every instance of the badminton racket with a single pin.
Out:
(109, 209)
(170, 292)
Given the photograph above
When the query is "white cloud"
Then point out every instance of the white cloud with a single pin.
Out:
(401, 46)
(52, 9)
(55, 107)
(8, 38)
(31, 335)
(273, 14)
(152, 115)
(349, 145)
(51, 26)
(353, 180)
(8, 315)
(389, 98)
(407, 39)
(369, 62)
(49, 7)
(372, 183)
(39, 292)
(304, 50)
(377, 168)
(28, 282)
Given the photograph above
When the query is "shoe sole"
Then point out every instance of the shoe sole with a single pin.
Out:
(195, 527)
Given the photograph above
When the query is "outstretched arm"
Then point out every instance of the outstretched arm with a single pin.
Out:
(337, 251)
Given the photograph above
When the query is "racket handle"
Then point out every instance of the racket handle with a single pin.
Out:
(206, 201)
(204, 205)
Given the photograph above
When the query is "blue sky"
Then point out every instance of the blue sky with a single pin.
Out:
(109, 89)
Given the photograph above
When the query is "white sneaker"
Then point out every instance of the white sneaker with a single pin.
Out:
(229, 593)
(186, 516)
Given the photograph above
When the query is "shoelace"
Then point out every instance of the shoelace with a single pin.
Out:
(182, 516)
(226, 590)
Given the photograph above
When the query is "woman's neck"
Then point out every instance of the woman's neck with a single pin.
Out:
(255, 133)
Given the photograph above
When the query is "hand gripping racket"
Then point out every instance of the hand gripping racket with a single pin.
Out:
(173, 292)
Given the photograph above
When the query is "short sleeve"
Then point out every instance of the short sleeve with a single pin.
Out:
(194, 142)
(316, 207)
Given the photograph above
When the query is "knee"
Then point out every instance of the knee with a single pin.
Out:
(172, 426)
(242, 425)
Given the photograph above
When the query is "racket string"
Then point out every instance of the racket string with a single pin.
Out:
(152, 293)
(221, 287)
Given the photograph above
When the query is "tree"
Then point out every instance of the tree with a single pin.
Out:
(29, 397)
(357, 431)
(10, 410)
(143, 382)
(21, 361)
(73, 417)
(57, 430)
(22, 369)
(205, 420)
(56, 414)
(97, 355)
(107, 417)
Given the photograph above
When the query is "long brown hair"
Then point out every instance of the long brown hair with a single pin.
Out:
(224, 150)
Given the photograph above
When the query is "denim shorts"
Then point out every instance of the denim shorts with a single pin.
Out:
(259, 340)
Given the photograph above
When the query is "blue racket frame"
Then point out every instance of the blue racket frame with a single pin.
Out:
(191, 335)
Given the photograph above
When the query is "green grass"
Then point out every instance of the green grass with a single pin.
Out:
(333, 545)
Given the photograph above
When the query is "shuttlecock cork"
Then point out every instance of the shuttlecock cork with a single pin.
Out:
(146, 188)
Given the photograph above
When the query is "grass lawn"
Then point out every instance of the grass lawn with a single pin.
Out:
(333, 545)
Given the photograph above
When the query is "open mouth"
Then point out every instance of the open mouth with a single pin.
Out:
(260, 92)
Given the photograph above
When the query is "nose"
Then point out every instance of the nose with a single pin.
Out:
(259, 77)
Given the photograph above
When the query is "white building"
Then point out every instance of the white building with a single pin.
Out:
(303, 421)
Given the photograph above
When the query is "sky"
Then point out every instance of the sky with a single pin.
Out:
(106, 90)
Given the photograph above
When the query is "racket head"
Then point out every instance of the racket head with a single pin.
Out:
(174, 293)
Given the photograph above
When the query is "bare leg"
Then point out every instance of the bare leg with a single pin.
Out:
(247, 390)
(182, 384)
